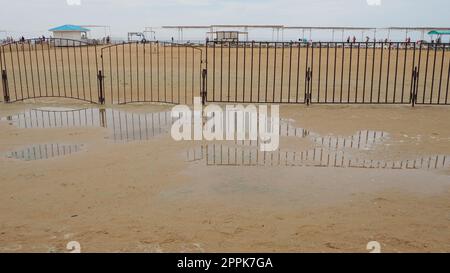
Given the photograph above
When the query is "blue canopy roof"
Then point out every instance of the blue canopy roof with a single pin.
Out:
(69, 28)
(439, 32)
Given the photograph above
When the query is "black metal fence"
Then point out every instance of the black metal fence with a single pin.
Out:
(151, 72)
(39, 68)
(120, 73)
(236, 72)
(351, 73)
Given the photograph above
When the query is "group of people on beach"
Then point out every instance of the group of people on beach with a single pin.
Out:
(22, 39)
(107, 40)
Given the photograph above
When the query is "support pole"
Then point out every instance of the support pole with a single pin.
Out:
(204, 90)
(101, 91)
(308, 85)
(415, 86)
(5, 86)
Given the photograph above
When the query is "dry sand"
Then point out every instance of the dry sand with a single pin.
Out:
(143, 196)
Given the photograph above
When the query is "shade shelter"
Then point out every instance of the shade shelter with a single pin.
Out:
(439, 33)
(69, 32)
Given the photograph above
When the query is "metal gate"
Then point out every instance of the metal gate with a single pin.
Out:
(151, 72)
(432, 74)
(328, 73)
(40, 68)
(257, 72)
(236, 72)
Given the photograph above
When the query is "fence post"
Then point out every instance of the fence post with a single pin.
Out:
(101, 92)
(308, 85)
(204, 92)
(5, 86)
(414, 87)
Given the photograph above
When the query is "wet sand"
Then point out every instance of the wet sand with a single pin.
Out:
(131, 189)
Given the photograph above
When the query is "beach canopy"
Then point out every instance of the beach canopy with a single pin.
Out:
(439, 32)
(70, 28)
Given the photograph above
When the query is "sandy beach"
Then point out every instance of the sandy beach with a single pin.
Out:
(114, 180)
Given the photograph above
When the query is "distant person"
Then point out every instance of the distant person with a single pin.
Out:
(367, 39)
(348, 39)
(354, 39)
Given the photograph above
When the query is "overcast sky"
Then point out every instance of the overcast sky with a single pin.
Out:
(32, 17)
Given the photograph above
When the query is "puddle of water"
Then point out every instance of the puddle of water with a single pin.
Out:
(44, 151)
(362, 140)
(123, 126)
(330, 151)
(224, 155)
(127, 126)
(57, 109)
(47, 119)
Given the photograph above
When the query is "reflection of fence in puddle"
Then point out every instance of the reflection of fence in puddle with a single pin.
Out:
(222, 155)
(44, 151)
(362, 140)
(287, 130)
(43, 119)
(125, 126)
